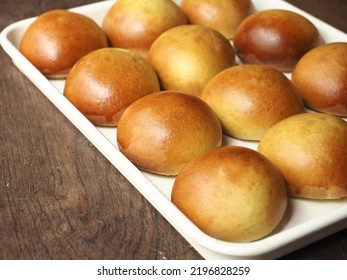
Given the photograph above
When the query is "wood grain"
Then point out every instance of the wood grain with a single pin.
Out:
(61, 199)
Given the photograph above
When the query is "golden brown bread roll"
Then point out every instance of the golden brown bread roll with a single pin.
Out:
(163, 131)
(222, 15)
(231, 193)
(249, 99)
(321, 76)
(278, 38)
(105, 82)
(57, 39)
(310, 150)
(188, 56)
(135, 24)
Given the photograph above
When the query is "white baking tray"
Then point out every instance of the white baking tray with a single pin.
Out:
(305, 221)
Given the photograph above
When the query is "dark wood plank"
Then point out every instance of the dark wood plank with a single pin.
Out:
(333, 11)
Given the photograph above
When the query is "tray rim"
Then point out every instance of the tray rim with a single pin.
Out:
(270, 245)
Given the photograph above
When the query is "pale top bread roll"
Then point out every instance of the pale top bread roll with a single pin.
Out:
(278, 38)
(188, 56)
(57, 39)
(249, 99)
(310, 150)
(163, 131)
(231, 193)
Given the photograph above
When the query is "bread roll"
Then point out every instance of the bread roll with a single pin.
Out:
(249, 99)
(321, 76)
(223, 15)
(278, 38)
(135, 24)
(163, 131)
(57, 39)
(188, 56)
(105, 82)
(231, 193)
(310, 150)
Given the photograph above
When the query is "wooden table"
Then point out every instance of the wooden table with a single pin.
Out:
(61, 199)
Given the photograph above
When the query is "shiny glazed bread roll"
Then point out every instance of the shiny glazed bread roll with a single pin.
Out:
(163, 131)
(105, 82)
(278, 38)
(310, 150)
(321, 77)
(222, 15)
(57, 39)
(231, 193)
(249, 99)
(135, 24)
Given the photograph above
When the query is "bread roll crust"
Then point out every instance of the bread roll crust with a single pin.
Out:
(163, 131)
(231, 193)
(57, 39)
(249, 99)
(194, 53)
(321, 76)
(105, 82)
(223, 15)
(278, 38)
(310, 150)
(135, 24)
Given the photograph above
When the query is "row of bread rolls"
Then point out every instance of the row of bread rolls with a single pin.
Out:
(60, 36)
(58, 39)
(232, 193)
